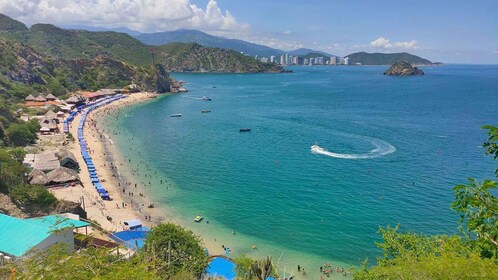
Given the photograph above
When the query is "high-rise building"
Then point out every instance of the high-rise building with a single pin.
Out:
(319, 60)
(345, 61)
(282, 60)
(272, 59)
(287, 61)
(264, 59)
(333, 60)
(306, 61)
(312, 61)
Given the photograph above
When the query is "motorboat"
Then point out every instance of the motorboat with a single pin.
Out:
(176, 115)
(205, 111)
(244, 130)
(198, 219)
(315, 149)
(205, 98)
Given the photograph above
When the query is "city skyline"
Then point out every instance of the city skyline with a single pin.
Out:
(448, 31)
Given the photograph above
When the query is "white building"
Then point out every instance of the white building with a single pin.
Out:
(333, 60)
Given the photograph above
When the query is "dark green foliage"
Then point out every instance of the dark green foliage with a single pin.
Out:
(22, 133)
(32, 198)
(385, 58)
(492, 144)
(8, 24)
(12, 172)
(186, 251)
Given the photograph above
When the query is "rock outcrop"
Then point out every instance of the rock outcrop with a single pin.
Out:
(403, 68)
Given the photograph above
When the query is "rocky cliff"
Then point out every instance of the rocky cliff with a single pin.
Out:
(403, 68)
(24, 71)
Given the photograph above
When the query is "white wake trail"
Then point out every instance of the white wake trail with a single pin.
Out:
(382, 148)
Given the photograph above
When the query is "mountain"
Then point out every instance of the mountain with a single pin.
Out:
(24, 71)
(50, 40)
(306, 52)
(101, 29)
(386, 58)
(199, 37)
(186, 57)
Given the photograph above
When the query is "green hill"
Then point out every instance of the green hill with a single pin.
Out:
(24, 71)
(184, 57)
(386, 58)
(56, 42)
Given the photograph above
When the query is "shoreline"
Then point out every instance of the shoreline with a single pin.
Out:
(122, 179)
(97, 209)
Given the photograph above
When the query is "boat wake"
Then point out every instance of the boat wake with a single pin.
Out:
(382, 148)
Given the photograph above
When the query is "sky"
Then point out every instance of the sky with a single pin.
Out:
(450, 31)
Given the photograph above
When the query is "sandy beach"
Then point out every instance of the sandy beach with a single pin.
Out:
(125, 205)
(129, 195)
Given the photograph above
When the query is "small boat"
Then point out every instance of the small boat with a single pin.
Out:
(206, 111)
(198, 219)
(244, 130)
(315, 149)
(176, 115)
(205, 98)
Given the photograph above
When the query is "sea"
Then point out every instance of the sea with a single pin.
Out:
(388, 152)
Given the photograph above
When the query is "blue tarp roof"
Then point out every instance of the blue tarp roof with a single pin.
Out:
(220, 267)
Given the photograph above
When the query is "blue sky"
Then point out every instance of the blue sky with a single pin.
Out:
(454, 31)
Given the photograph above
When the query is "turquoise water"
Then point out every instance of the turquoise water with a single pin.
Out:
(391, 151)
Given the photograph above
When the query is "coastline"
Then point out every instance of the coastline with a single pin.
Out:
(123, 171)
(97, 209)
(124, 185)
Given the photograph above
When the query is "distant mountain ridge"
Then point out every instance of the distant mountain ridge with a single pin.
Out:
(306, 52)
(386, 58)
(199, 37)
(53, 41)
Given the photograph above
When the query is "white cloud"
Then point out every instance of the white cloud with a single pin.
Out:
(384, 43)
(141, 15)
(287, 32)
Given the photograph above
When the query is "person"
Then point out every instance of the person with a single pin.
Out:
(298, 267)
(321, 269)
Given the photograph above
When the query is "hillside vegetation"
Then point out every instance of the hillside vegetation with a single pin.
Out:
(386, 58)
(66, 44)
(24, 71)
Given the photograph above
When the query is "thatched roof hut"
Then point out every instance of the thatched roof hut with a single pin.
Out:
(40, 98)
(67, 159)
(30, 98)
(62, 175)
(73, 100)
(50, 115)
(37, 177)
(51, 97)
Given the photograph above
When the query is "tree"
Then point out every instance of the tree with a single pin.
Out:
(177, 248)
(262, 268)
(20, 134)
(90, 263)
(478, 207)
(415, 256)
(11, 171)
(32, 198)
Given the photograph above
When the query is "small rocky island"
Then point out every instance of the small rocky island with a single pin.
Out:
(403, 68)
